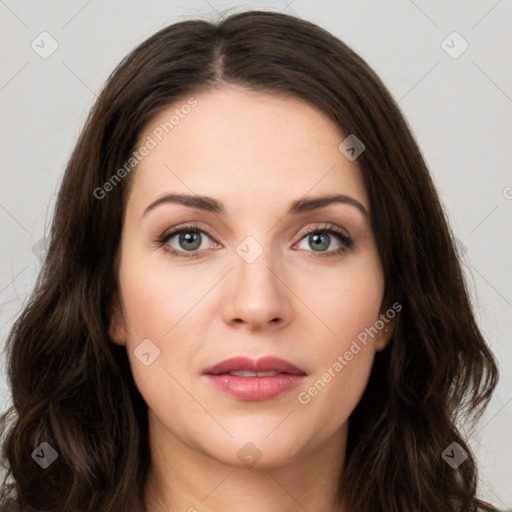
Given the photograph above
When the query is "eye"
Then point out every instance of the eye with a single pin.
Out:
(190, 241)
(186, 241)
(320, 239)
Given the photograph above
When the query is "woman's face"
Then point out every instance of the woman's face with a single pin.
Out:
(246, 279)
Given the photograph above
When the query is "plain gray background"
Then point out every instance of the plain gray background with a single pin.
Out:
(458, 104)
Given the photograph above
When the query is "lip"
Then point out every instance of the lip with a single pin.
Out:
(254, 388)
(263, 364)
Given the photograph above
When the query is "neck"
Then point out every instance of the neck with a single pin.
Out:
(186, 479)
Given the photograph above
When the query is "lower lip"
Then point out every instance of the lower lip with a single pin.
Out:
(255, 388)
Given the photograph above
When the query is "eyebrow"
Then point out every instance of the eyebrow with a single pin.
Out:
(212, 205)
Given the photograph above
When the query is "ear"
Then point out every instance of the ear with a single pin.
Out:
(117, 329)
(384, 336)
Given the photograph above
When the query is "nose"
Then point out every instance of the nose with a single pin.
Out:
(258, 296)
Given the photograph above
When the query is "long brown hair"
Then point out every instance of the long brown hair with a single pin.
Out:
(73, 388)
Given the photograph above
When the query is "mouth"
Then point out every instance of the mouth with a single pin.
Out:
(247, 373)
(254, 379)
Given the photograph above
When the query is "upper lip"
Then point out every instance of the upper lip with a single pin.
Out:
(263, 364)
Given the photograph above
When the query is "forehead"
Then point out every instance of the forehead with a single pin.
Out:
(247, 146)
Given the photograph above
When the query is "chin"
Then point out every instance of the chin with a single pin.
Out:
(257, 450)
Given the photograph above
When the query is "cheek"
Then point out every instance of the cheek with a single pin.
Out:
(348, 301)
(348, 306)
(155, 317)
(148, 311)
(156, 298)
(161, 305)
(343, 362)
(335, 391)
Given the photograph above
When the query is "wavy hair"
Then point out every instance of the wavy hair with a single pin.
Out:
(73, 388)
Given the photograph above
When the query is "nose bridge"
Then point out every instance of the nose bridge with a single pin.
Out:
(258, 296)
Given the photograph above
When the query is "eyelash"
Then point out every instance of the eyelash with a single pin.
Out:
(331, 229)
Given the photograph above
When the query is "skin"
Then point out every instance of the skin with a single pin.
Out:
(255, 152)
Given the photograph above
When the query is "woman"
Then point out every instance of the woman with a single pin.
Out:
(251, 298)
